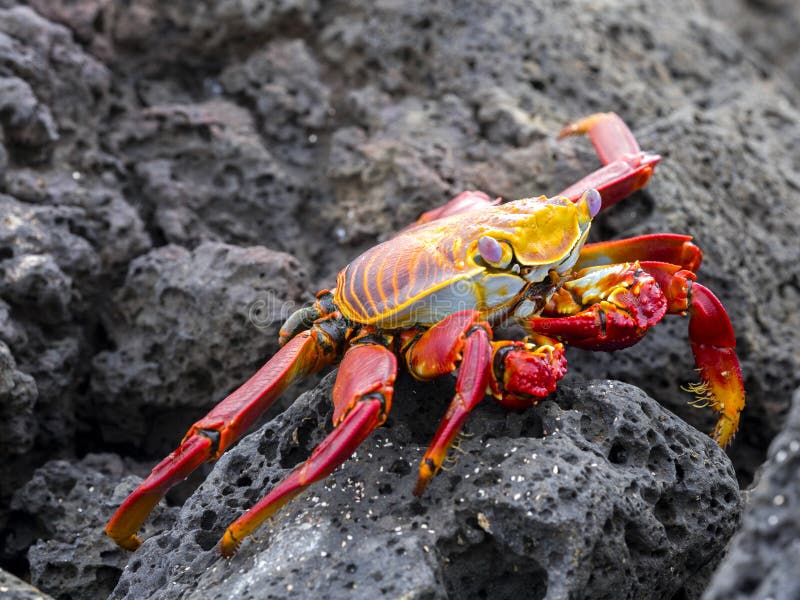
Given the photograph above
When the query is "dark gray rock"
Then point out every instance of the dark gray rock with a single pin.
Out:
(36, 282)
(64, 226)
(598, 492)
(43, 267)
(11, 587)
(41, 230)
(187, 27)
(768, 28)
(61, 83)
(386, 172)
(764, 557)
(17, 400)
(187, 328)
(26, 121)
(100, 214)
(203, 173)
(284, 83)
(66, 505)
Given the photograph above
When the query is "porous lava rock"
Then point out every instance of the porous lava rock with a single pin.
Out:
(764, 557)
(598, 492)
(15, 588)
(59, 513)
(188, 326)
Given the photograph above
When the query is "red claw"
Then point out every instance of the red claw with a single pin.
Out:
(528, 373)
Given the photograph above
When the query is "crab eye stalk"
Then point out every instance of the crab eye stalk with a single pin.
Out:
(494, 253)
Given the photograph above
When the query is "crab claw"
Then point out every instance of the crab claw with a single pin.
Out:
(613, 306)
(524, 371)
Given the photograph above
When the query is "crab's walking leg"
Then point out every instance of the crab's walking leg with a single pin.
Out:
(463, 202)
(461, 338)
(213, 434)
(713, 344)
(362, 397)
(612, 307)
(626, 168)
(663, 247)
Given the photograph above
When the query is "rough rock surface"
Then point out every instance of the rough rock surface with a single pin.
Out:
(203, 173)
(764, 557)
(17, 401)
(157, 157)
(61, 511)
(598, 493)
(13, 587)
(187, 327)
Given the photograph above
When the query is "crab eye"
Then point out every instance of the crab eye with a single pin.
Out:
(493, 252)
(593, 200)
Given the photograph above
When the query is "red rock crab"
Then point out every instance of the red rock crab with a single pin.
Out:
(432, 295)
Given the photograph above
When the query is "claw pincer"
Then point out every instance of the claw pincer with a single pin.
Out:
(432, 297)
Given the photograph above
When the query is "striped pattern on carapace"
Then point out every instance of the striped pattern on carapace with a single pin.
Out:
(384, 285)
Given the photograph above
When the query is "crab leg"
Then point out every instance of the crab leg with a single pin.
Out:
(362, 397)
(463, 202)
(209, 437)
(460, 338)
(626, 168)
(663, 247)
(713, 344)
(612, 307)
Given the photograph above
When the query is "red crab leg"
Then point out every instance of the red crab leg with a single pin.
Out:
(627, 169)
(463, 202)
(713, 344)
(663, 247)
(213, 434)
(627, 299)
(362, 397)
(460, 337)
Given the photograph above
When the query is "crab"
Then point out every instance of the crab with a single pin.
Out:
(432, 296)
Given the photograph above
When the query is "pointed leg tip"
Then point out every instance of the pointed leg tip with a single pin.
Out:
(427, 469)
(725, 430)
(568, 130)
(130, 542)
(228, 545)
